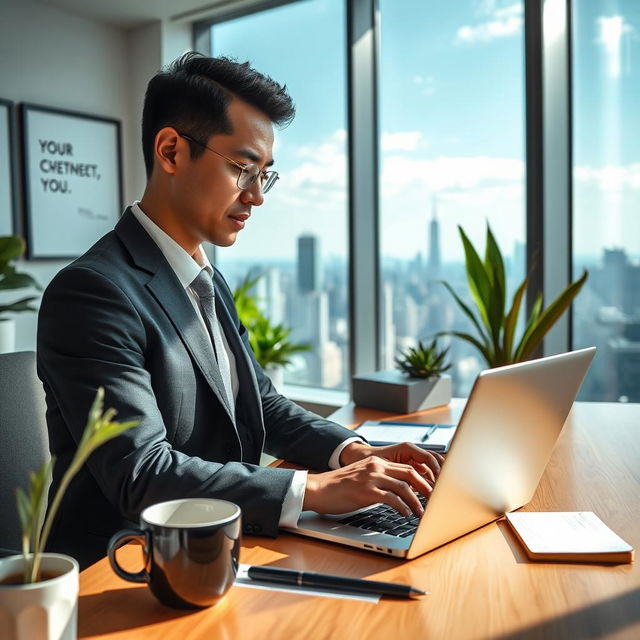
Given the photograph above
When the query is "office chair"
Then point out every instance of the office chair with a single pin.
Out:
(24, 443)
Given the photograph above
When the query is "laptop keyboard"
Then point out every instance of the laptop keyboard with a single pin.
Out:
(385, 519)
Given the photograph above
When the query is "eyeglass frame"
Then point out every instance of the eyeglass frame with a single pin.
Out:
(267, 175)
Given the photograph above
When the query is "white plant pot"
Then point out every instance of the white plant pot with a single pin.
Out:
(276, 375)
(45, 610)
(7, 335)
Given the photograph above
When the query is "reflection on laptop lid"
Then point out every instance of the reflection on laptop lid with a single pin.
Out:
(502, 445)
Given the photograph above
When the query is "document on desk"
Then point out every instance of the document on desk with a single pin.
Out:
(568, 536)
(433, 437)
(243, 580)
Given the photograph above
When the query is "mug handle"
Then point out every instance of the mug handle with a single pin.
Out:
(120, 539)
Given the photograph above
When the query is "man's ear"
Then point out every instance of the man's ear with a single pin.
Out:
(169, 150)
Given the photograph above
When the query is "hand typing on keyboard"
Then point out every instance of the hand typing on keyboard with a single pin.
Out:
(394, 475)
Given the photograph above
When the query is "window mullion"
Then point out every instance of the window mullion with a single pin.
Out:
(363, 180)
(556, 164)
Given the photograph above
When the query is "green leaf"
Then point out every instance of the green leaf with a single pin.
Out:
(531, 323)
(109, 431)
(247, 304)
(477, 278)
(271, 344)
(551, 314)
(486, 351)
(11, 247)
(16, 280)
(24, 512)
(466, 310)
(494, 266)
(511, 320)
(494, 262)
(23, 304)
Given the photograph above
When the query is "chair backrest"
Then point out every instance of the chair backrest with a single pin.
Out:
(24, 442)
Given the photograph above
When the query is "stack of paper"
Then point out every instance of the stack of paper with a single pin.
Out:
(568, 536)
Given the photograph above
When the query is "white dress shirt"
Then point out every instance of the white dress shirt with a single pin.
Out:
(187, 268)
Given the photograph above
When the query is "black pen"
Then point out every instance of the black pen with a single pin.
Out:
(339, 583)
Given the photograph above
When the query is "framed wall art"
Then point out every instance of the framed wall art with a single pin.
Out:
(8, 169)
(73, 180)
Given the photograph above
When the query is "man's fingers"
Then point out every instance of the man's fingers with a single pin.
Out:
(432, 459)
(410, 476)
(424, 470)
(395, 502)
(407, 495)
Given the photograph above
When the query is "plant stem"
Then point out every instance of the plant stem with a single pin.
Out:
(37, 552)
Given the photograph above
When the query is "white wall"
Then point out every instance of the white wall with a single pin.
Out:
(56, 58)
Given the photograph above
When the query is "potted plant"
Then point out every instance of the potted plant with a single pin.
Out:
(495, 326)
(270, 343)
(38, 590)
(11, 248)
(419, 383)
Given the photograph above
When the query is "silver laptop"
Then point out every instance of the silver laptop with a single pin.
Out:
(502, 445)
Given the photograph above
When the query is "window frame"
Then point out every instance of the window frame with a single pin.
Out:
(548, 152)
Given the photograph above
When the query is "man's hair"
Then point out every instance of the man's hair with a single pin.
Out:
(193, 93)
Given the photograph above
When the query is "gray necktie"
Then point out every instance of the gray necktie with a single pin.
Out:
(203, 286)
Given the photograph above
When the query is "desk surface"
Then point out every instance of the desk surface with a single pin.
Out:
(480, 585)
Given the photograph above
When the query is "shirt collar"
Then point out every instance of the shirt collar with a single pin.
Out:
(186, 267)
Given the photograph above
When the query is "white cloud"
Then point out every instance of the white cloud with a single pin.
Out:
(502, 23)
(610, 178)
(449, 173)
(401, 141)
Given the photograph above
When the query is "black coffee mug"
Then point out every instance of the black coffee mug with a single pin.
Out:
(191, 549)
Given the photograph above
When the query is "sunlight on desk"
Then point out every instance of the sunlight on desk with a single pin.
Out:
(480, 585)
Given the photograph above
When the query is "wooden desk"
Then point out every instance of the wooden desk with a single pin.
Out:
(480, 586)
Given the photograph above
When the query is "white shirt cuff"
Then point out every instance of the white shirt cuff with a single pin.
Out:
(292, 505)
(334, 460)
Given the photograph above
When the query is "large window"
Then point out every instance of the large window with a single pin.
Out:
(450, 114)
(451, 95)
(298, 237)
(606, 188)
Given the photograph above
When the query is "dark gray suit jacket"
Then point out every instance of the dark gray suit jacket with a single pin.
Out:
(118, 317)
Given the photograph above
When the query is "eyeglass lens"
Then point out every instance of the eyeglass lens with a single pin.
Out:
(251, 173)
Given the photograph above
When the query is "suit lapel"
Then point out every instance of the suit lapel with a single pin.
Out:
(172, 297)
(176, 304)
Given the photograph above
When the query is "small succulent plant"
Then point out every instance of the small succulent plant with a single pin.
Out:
(423, 361)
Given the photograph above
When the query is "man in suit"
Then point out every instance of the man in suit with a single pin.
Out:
(145, 315)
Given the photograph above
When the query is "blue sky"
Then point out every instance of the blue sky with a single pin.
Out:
(451, 120)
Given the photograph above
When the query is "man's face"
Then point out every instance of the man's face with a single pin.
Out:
(207, 199)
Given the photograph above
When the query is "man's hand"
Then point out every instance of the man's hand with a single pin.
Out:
(387, 474)
(426, 463)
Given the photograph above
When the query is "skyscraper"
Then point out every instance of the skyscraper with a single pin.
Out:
(309, 264)
(433, 256)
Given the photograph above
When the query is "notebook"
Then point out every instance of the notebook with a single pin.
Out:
(502, 444)
(568, 537)
(433, 437)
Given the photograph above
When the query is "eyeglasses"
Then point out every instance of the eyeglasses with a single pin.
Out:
(249, 173)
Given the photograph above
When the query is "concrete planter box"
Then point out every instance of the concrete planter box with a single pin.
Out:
(398, 393)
